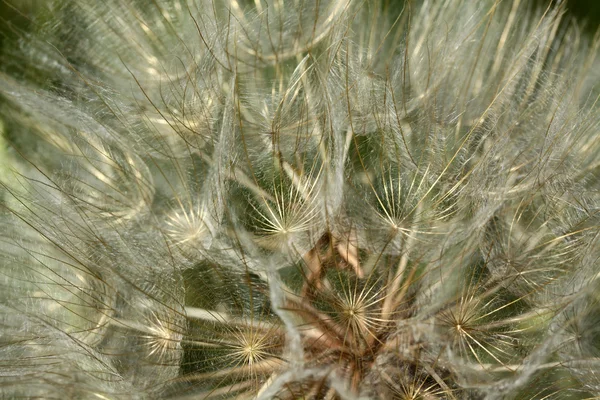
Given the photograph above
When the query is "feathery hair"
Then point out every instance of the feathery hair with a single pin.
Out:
(320, 199)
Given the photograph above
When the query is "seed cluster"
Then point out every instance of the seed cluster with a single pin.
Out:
(319, 199)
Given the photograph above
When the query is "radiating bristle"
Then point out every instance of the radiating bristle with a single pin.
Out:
(320, 199)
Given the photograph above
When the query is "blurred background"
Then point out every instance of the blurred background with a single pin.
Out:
(586, 11)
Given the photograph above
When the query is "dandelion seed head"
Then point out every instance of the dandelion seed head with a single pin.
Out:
(252, 347)
(187, 227)
(327, 199)
(163, 338)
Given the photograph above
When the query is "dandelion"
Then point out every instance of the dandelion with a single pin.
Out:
(329, 199)
(187, 228)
